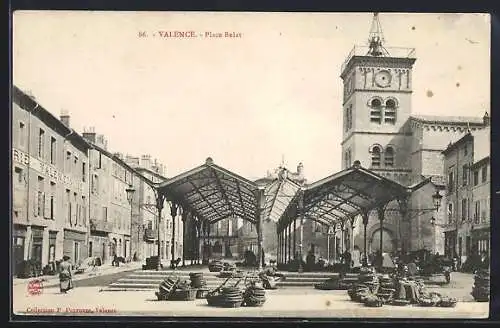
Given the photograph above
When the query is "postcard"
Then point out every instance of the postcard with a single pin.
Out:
(244, 164)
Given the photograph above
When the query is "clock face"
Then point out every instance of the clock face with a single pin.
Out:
(383, 79)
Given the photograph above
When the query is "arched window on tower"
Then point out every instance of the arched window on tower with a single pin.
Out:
(376, 111)
(389, 156)
(390, 111)
(376, 156)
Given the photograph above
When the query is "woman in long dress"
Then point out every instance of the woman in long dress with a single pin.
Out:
(65, 276)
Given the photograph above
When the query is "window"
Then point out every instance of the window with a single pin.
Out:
(465, 172)
(95, 184)
(84, 171)
(483, 212)
(76, 252)
(451, 181)
(68, 202)
(484, 174)
(450, 213)
(22, 135)
(477, 211)
(52, 150)
(52, 205)
(76, 212)
(389, 156)
(390, 111)
(376, 111)
(67, 162)
(104, 213)
(376, 156)
(75, 165)
(464, 209)
(465, 150)
(41, 143)
(84, 211)
(40, 201)
(19, 174)
(476, 178)
(348, 118)
(150, 225)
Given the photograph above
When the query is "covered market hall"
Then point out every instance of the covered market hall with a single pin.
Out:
(209, 193)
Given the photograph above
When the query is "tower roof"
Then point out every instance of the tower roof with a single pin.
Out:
(376, 39)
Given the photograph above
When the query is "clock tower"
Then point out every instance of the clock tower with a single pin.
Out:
(376, 105)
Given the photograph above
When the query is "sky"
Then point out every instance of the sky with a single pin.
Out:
(247, 102)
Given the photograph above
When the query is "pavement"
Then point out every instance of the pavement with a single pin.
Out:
(89, 301)
(105, 269)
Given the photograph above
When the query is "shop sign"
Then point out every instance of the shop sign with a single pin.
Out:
(47, 170)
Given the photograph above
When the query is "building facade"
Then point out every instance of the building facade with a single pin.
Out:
(145, 224)
(110, 208)
(466, 164)
(380, 130)
(50, 185)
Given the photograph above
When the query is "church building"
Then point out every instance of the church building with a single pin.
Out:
(381, 131)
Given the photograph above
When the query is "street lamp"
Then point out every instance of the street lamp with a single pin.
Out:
(130, 196)
(437, 199)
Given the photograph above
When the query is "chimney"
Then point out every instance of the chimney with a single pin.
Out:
(119, 156)
(89, 134)
(146, 161)
(65, 117)
(486, 119)
(300, 170)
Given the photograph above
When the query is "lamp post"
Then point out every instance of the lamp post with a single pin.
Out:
(436, 198)
(130, 197)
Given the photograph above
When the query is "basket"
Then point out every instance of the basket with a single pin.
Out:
(214, 299)
(183, 295)
(400, 302)
(166, 289)
(447, 302)
(201, 293)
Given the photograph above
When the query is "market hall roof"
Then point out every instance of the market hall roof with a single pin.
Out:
(214, 193)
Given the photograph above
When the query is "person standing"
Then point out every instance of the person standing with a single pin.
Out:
(65, 276)
(356, 257)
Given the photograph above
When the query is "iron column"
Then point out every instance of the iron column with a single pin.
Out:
(159, 205)
(173, 213)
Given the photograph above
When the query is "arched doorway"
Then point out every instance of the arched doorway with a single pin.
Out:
(387, 241)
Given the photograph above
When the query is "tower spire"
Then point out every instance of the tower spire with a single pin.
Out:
(376, 38)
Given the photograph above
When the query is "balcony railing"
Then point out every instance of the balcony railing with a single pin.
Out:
(394, 52)
(99, 225)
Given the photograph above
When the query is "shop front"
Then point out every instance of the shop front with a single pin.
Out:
(99, 246)
(481, 239)
(52, 246)
(36, 244)
(74, 246)
(450, 242)
(18, 244)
